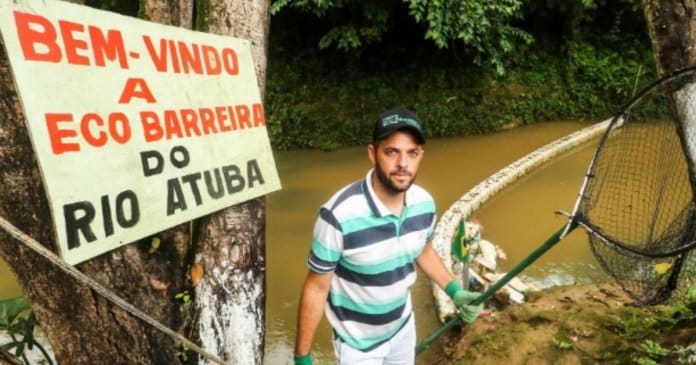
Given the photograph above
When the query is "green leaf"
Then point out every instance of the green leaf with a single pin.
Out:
(11, 308)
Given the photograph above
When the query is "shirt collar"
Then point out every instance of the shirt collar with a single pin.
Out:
(378, 208)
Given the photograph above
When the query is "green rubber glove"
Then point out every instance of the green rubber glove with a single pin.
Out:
(303, 360)
(461, 299)
(468, 313)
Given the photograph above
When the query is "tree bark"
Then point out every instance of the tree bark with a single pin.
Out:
(83, 327)
(672, 29)
(230, 299)
(171, 12)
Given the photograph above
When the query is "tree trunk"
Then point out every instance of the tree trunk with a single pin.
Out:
(671, 26)
(83, 327)
(171, 12)
(230, 299)
(672, 29)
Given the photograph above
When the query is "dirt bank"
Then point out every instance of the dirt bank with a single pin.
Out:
(593, 324)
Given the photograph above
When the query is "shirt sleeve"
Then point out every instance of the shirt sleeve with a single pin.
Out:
(431, 229)
(327, 243)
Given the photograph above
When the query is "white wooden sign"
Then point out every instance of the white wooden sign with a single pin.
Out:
(137, 126)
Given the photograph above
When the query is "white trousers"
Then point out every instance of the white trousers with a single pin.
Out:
(399, 350)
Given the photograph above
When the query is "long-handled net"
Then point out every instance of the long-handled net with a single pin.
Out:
(637, 200)
(637, 203)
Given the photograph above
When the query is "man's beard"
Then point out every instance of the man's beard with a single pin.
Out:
(388, 184)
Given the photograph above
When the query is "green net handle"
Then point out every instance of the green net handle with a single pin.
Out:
(538, 252)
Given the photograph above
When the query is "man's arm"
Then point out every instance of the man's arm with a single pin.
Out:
(311, 309)
(432, 265)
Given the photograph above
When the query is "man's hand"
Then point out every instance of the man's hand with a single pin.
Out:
(312, 301)
(462, 299)
(303, 360)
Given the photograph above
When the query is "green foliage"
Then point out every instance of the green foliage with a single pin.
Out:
(485, 28)
(354, 23)
(692, 295)
(576, 19)
(561, 345)
(599, 71)
(326, 99)
(183, 353)
(630, 325)
(184, 297)
(19, 323)
(10, 309)
(318, 101)
(645, 361)
(653, 349)
(673, 316)
(642, 328)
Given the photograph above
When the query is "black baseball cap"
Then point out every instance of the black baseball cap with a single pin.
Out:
(396, 119)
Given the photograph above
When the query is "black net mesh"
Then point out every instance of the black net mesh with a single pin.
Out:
(638, 204)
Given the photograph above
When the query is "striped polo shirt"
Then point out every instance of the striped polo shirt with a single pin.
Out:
(371, 252)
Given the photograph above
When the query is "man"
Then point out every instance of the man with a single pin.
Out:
(365, 243)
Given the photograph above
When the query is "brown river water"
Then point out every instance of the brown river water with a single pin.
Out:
(518, 219)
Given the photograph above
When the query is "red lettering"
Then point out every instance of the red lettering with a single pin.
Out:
(151, 128)
(181, 123)
(119, 127)
(96, 141)
(171, 124)
(229, 57)
(243, 116)
(221, 113)
(259, 116)
(190, 59)
(91, 129)
(39, 42)
(56, 134)
(159, 58)
(112, 46)
(207, 118)
(233, 121)
(190, 121)
(136, 88)
(30, 37)
(72, 44)
(175, 57)
(211, 60)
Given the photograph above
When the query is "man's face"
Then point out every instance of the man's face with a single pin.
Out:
(396, 159)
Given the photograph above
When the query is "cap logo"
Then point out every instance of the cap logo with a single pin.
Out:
(394, 119)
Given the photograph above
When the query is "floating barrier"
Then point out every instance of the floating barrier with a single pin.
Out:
(447, 226)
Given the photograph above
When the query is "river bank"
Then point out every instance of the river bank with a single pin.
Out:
(584, 324)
